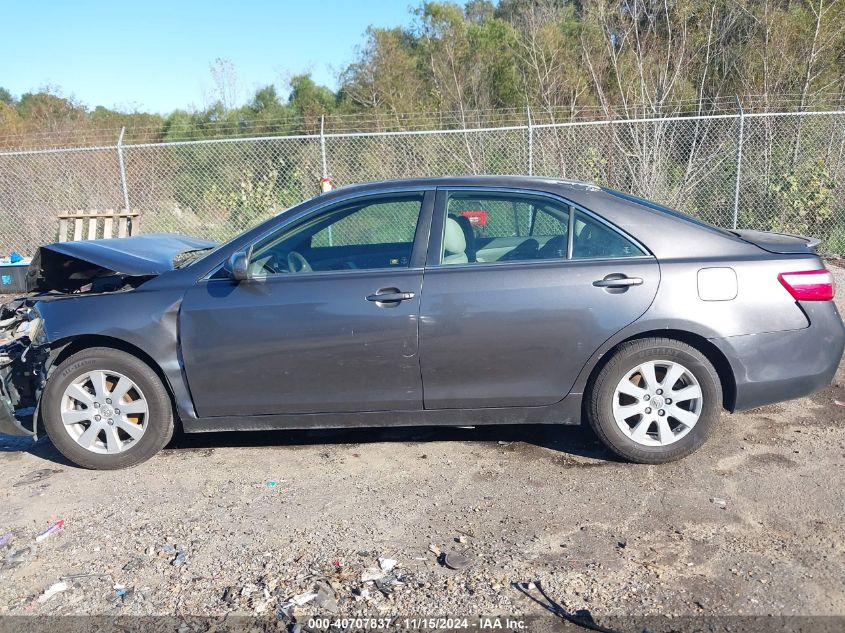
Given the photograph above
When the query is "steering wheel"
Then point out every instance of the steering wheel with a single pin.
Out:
(298, 264)
(264, 265)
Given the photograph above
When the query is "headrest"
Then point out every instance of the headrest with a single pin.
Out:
(466, 227)
(453, 237)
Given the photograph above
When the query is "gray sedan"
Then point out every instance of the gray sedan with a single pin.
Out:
(454, 301)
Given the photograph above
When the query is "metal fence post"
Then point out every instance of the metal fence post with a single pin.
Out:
(738, 159)
(325, 164)
(323, 145)
(530, 142)
(123, 181)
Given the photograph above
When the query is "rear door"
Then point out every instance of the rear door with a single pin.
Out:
(521, 288)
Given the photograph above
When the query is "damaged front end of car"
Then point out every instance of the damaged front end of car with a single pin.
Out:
(23, 366)
(70, 271)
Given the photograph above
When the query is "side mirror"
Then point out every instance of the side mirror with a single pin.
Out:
(238, 266)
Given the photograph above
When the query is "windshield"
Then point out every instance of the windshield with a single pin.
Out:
(189, 257)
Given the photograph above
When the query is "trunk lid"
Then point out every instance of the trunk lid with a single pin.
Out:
(781, 243)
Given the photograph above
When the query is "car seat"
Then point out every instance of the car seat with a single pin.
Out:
(469, 235)
(454, 243)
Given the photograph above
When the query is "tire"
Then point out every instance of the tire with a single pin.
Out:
(153, 427)
(661, 354)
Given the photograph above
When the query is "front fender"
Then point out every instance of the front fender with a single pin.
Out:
(145, 322)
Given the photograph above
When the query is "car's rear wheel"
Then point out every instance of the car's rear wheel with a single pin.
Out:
(656, 400)
(104, 408)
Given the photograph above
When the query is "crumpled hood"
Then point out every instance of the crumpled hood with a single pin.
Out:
(139, 255)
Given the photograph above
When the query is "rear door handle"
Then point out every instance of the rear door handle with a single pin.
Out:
(616, 280)
(390, 295)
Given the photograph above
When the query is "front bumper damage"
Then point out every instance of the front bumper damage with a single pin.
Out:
(23, 366)
(62, 271)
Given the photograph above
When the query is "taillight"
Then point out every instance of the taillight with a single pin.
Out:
(809, 285)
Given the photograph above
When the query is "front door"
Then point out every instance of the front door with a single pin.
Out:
(521, 289)
(327, 321)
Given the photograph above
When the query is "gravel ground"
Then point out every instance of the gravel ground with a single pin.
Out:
(241, 523)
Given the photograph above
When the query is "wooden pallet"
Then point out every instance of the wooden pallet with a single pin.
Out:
(86, 224)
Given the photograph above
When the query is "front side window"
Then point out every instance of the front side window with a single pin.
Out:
(362, 235)
(493, 227)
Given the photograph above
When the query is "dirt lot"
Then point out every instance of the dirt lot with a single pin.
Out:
(754, 523)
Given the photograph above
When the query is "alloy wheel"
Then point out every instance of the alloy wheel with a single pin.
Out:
(657, 403)
(104, 412)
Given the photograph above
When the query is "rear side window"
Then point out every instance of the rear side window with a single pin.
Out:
(503, 227)
(491, 227)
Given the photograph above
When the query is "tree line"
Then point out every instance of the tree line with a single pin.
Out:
(470, 64)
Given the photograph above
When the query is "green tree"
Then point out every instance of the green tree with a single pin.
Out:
(806, 198)
(310, 101)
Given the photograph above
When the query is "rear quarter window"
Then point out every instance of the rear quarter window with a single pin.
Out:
(593, 239)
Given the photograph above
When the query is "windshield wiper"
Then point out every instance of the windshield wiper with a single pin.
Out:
(188, 257)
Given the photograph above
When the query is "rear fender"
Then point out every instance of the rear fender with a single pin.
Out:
(664, 327)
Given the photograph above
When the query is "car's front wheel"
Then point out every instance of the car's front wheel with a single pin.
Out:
(104, 408)
(656, 400)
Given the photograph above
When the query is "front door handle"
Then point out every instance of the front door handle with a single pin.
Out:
(390, 295)
(617, 280)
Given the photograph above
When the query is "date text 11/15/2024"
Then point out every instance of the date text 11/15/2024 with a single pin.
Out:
(482, 623)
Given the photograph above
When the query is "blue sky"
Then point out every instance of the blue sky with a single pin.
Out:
(154, 55)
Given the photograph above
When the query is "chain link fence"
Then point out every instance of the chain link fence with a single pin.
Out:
(768, 171)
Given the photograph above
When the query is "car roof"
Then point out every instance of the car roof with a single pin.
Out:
(514, 181)
(576, 191)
